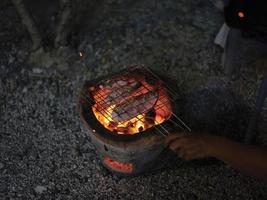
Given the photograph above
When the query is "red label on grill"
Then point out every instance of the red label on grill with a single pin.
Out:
(118, 166)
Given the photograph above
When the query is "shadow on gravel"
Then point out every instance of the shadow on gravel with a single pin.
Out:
(217, 110)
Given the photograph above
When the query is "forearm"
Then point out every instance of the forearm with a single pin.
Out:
(249, 159)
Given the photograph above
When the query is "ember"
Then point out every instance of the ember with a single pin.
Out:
(129, 104)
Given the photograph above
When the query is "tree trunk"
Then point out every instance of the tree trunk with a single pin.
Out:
(63, 28)
(29, 24)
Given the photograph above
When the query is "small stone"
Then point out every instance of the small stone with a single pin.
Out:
(37, 70)
(123, 188)
(24, 90)
(11, 59)
(39, 82)
(52, 96)
(40, 189)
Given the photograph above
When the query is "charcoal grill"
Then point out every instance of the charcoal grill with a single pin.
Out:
(131, 144)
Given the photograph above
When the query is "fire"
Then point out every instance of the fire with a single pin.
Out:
(142, 121)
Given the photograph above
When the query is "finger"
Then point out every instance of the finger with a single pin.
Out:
(183, 142)
(176, 144)
(190, 154)
(194, 154)
(187, 152)
(187, 155)
(198, 155)
(171, 137)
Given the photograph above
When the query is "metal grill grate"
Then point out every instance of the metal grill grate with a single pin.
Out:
(119, 80)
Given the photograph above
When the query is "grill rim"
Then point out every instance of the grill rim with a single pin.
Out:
(84, 107)
(88, 117)
(90, 120)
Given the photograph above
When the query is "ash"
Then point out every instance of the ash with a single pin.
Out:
(44, 149)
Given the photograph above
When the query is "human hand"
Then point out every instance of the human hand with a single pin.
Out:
(190, 146)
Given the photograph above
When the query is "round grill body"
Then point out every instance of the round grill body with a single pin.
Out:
(124, 154)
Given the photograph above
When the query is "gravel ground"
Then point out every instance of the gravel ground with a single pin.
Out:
(44, 149)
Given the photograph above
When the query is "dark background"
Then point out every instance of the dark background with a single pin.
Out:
(44, 149)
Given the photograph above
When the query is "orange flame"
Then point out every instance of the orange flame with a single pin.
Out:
(139, 123)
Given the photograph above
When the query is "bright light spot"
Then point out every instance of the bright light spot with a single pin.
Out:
(81, 54)
(241, 14)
